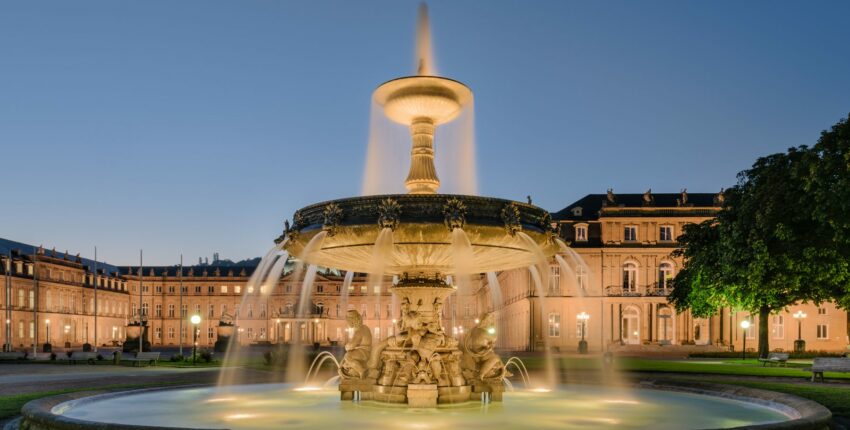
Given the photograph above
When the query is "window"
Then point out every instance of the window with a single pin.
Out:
(171, 289)
(580, 330)
(554, 280)
(144, 308)
(665, 233)
(554, 325)
(21, 300)
(184, 290)
(289, 309)
(211, 333)
(350, 289)
(250, 290)
(376, 289)
(777, 327)
(262, 333)
(630, 233)
(32, 329)
(158, 310)
(363, 289)
(184, 310)
(224, 289)
(363, 310)
(263, 289)
(171, 310)
(630, 277)
(250, 333)
(665, 275)
(377, 310)
(159, 289)
(223, 309)
(751, 332)
(210, 290)
(158, 332)
(320, 288)
(32, 299)
(581, 277)
(263, 310)
(237, 289)
(211, 311)
(377, 332)
(389, 310)
(21, 329)
(337, 309)
(581, 232)
(288, 288)
(197, 289)
(823, 331)
(171, 332)
(821, 311)
(250, 310)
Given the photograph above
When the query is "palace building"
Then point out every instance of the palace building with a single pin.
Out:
(609, 288)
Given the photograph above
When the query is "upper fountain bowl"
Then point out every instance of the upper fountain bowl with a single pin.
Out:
(502, 234)
(436, 98)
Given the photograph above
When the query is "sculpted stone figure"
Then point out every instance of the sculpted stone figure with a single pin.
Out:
(479, 361)
(354, 362)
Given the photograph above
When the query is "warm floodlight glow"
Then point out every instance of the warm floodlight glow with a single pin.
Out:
(621, 402)
(745, 324)
(491, 330)
(196, 319)
(583, 316)
(307, 388)
(541, 390)
(799, 315)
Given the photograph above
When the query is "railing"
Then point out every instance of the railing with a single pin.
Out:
(658, 290)
(621, 291)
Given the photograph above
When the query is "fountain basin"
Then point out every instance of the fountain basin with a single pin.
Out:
(272, 406)
(409, 98)
(422, 233)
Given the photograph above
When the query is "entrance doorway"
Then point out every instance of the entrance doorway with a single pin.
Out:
(631, 326)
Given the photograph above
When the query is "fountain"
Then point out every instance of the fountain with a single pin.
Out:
(421, 376)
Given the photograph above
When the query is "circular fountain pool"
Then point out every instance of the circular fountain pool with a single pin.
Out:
(275, 406)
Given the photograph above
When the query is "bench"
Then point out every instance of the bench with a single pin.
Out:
(829, 364)
(150, 358)
(8, 356)
(775, 359)
(85, 357)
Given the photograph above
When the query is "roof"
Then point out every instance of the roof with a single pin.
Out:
(592, 204)
(7, 246)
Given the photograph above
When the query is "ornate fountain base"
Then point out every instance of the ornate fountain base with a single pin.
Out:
(421, 366)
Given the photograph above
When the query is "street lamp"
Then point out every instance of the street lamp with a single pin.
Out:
(799, 344)
(745, 324)
(277, 328)
(196, 319)
(582, 344)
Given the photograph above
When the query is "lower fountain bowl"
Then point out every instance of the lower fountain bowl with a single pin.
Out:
(273, 406)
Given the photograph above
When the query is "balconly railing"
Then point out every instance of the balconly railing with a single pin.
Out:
(622, 291)
(658, 289)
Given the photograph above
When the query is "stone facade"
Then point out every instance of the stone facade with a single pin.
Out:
(625, 242)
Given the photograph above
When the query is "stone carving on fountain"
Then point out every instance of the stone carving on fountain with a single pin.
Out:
(353, 367)
(482, 367)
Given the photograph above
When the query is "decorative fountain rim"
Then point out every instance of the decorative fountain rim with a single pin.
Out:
(805, 414)
(427, 208)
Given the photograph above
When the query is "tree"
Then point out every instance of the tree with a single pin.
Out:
(760, 253)
(828, 184)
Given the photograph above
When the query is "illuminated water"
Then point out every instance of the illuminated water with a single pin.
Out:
(276, 406)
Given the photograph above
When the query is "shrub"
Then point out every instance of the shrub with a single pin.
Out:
(205, 356)
(52, 356)
(177, 357)
(792, 355)
(99, 357)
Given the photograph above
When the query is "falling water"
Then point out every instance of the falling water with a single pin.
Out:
(267, 273)
(571, 274)
(346, 284)
(316, 365)
(463, 261)
(495, 290)
(454, 155)
(579, 264)
(551, 376)
(296, 356)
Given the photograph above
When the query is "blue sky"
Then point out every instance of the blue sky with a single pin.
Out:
(198, 126)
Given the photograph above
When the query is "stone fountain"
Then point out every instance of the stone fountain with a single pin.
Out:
(430, 235)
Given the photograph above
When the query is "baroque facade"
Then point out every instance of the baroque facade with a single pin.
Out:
(609, 288)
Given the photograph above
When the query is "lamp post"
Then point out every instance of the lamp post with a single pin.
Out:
(799, 344)
(582, 344)
(196, 319)
(745, 324)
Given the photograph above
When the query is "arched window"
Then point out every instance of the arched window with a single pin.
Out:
(665, 275)
(320, 308)
(630, 277)
(289, 309)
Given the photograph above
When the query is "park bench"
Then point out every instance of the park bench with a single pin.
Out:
(829, 364)
(150, 358)
(9, 356)
(85, 357)
(40, 356)
(775, 359)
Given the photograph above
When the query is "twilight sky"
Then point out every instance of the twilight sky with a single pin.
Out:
(198, 126)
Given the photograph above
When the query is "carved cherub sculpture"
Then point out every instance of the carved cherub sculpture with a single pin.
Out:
(357, 349)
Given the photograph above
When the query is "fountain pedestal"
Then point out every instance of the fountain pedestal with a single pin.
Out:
(422, 395)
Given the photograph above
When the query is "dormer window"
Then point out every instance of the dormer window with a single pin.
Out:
(581, 232)
(577, 211)
(630, 233)
(665, 233)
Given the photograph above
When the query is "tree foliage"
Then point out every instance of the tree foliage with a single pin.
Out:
(782, 236)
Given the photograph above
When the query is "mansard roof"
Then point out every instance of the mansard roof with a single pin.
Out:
(634, 204)
(9, 247)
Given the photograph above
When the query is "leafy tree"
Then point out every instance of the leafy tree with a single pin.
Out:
(760, 253)
(828, 185)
